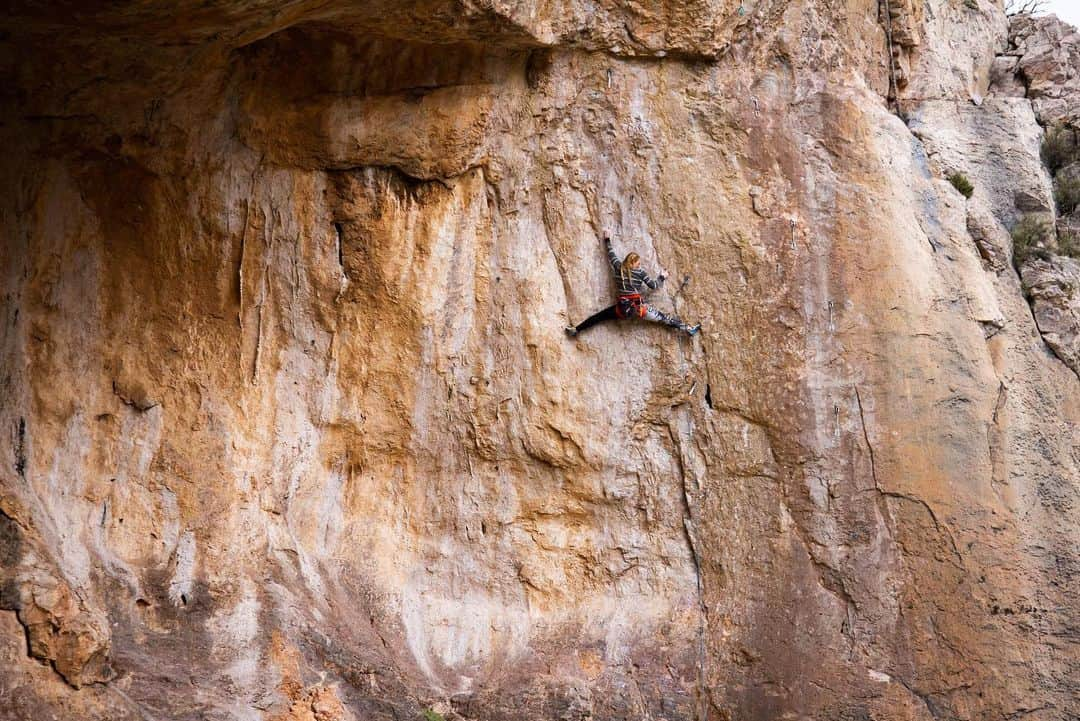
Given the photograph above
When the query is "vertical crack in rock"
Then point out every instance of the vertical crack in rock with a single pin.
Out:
(240, 269)
(259, 306)
(995, 439)
(690, 532)
(882, 506)
(894, 90)
(866, 438)
(340, 245)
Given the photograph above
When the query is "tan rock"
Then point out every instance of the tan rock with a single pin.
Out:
(1049, 52)
(62, 634)
(1054, 288)
(293, 429)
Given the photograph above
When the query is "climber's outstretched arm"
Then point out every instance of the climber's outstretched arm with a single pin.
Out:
(653, 284)
(612, 258)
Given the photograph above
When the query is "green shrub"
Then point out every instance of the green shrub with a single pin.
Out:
(961, 183)
(1030, 236)
(1059, 148)
(431, 715)
(1069, 244)
(1066, 193)
(971, 4)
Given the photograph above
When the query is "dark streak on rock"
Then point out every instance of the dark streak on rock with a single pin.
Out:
(20, 448)
(340, 234)
(11, 541)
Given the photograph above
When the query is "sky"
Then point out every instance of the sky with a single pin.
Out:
(1067, 10)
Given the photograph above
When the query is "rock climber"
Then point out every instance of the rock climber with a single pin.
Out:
(631, 281)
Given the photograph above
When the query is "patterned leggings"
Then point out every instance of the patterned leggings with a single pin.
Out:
(651, 313)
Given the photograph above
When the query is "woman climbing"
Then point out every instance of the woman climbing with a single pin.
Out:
(631, 281)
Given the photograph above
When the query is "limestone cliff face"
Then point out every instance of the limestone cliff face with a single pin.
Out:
(292, 430)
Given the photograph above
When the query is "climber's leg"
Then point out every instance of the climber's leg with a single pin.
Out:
(606, 314)
(659, 316)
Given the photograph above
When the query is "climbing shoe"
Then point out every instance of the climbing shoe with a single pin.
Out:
(571, 331)
(691, 329)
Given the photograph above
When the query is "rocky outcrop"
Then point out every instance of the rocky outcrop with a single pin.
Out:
(1040, 66)
(59, 629)
(294, 430)
(1047, 55)
(1053, 288)
(58, 632)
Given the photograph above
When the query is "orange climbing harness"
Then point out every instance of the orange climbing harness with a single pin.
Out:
(630, 306)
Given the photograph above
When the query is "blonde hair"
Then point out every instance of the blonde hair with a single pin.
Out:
(632, 260)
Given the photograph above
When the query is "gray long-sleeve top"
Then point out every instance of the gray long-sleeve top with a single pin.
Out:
(637, 280)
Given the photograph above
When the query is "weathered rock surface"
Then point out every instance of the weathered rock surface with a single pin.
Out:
(292, 429)
(1048, 61)
(996, 145)
(1041, 64)
(1052, 286)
